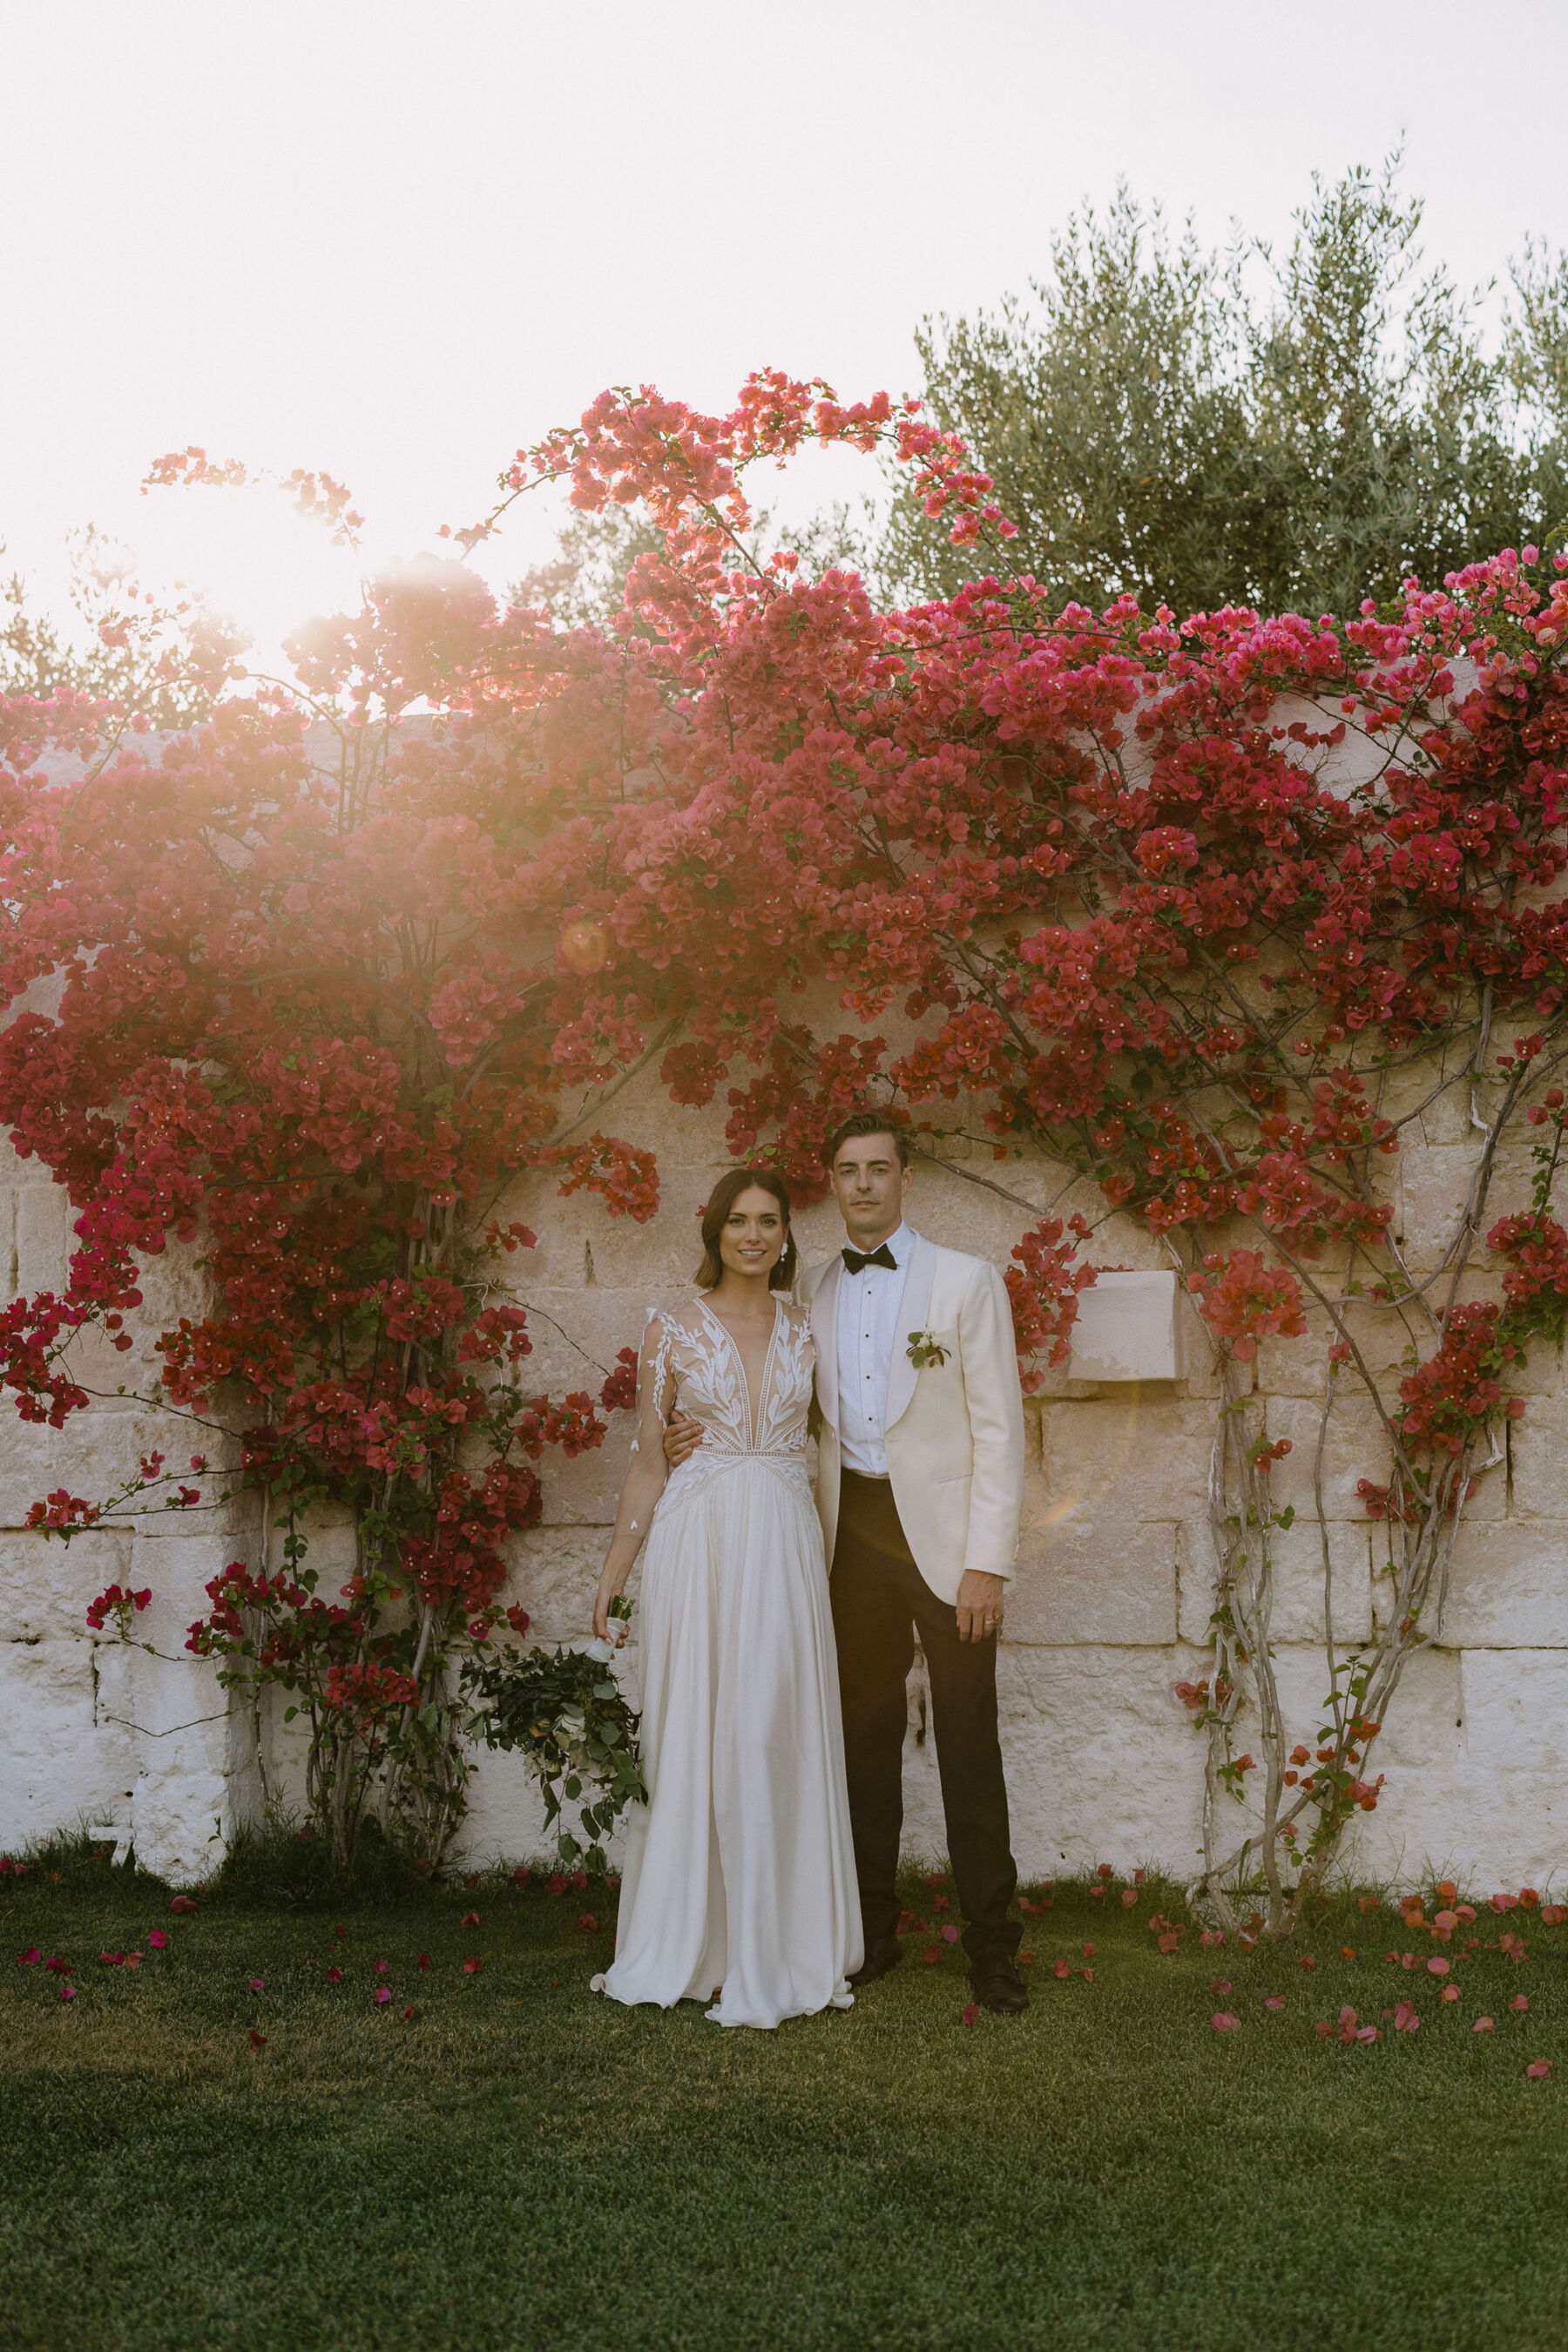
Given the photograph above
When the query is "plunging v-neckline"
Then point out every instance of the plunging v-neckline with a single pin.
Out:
(752, 1408)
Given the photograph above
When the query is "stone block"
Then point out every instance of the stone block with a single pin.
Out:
(46, 1585)
(1126, 1329)
(1508, 1587)
(1101, 1758)
(1538, 1460)
(44, 1239)
(1355, 1446)
(1434, 1182)
(91, 1454)
(1110, 1584)
(1297, 1563)
(60, 1763)
(1126, 1459)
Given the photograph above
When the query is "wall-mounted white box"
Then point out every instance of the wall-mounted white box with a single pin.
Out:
(1126, 1329)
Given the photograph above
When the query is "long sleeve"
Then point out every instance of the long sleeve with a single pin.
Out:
(989, 1361)
(647, 1470)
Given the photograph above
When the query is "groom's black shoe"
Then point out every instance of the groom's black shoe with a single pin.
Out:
(998, 1986)
(880, 1961)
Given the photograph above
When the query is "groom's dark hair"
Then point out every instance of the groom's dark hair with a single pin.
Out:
(866, 1122)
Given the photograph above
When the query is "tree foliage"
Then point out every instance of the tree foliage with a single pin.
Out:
(1159, 425)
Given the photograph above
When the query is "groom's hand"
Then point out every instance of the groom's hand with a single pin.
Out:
(979, 1603)
(683, 1437)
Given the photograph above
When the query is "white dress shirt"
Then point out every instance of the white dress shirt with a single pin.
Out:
(868, 1304)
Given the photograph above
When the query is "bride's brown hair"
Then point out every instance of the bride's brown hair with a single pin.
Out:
(721, 1201)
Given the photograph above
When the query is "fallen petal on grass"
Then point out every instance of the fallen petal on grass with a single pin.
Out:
(1482, 2025)
(258, 2040)
(1223, 2022)
(1219, 1986)
(1539, 2069)
(971, 2012)
(1520, 2000)
(1273, 2000)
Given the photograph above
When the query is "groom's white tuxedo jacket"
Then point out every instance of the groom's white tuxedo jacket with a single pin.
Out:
(955, 1432)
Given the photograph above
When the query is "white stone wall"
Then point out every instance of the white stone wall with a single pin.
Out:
(1108, 1611)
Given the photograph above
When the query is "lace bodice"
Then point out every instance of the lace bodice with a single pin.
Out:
(689, 1360)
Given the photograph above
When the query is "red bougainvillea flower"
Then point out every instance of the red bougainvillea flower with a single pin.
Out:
(57, 1967)
(931, 1954)
(1482, 2025)
(111, 1960)
(1404, 2019)
(181, 1904)
(1062, 1969)
(1224, 2022)
(382, 1996)
(1439, 1967)
(67, 1992)
(1272, 2000)
(30, 1957)
(421, 1960)
(1539, 2069)
(257, 1984)
(971, 2012)
(409, 2012)
(949, 1934)
(1520, 2000)
(158, 1939)
(1088, 1951)
(1219, 1986)
(1128, 1897)
(522, 1874)
(384, 1967)
(588, 1922)
(334, 1975)
(472, 1967)
(470, 1919)
(258, 2040)
(1088, 1975)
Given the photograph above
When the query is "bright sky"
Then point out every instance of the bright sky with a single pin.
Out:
(397, 238)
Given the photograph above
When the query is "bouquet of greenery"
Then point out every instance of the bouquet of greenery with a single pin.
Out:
(563, 1710)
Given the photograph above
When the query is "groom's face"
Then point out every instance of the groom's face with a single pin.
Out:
(869, 1186)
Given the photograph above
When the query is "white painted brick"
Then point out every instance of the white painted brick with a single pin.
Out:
(1126, 1329)
(1508, 1587)
(1111, 1584)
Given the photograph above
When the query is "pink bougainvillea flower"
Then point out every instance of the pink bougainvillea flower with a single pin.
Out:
(1539, 2069)
(381, 1995)
(1128, 1897)
(1404, 2019)
(258, 2040)
(470, 1919)
(472, 1879)
(949, 1934)
(971, 2012)
(67, 1991)
(132, 1959)
(939, 1903)
(588, 1922)
(1223, 2022)
(409, 2012)
(1061, 1969)
(472, 1967)
(59, 1968)
(257, 1984)
(930, 1955)
(1272, 2000)
(1450, 1992)
(384, 1967)
(181, 1904)
(158, 1939)
(1219, 1986)
(579, 1879)
(1520, 2000)
(340, 1929)
(1438, 1968)
(1088, 1951)
(1088, 1975)
(334, 1975)
(111, 1960)
(558, 1885)
(1368, 2034)
(522, 1874)
(420, 1960)
(1305, 1961)
(1482, 2025)
(30, 1957)
(1026, 1960)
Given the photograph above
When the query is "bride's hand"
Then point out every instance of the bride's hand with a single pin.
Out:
(602, 1600)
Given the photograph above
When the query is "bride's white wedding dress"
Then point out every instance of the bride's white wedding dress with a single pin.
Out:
(739, 1872)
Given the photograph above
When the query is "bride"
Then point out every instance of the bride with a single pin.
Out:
(739, 1883)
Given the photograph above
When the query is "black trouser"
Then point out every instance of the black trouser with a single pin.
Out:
(880, 1600)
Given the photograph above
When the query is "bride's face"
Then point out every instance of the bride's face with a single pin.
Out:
(754, 1233)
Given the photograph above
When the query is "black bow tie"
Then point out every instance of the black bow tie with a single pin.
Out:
(857, 1260)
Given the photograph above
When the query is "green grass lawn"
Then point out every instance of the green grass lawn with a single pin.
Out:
(522, 2164)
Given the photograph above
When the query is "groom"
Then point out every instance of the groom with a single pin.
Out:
(919, 1483)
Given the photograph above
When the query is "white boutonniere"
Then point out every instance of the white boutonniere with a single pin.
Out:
(925, 1349)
